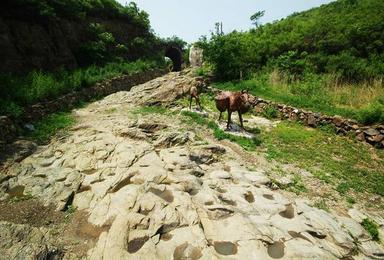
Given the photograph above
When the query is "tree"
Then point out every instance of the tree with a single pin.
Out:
(256, 17)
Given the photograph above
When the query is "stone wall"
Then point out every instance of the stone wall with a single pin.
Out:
(9, 129)
(373, 135)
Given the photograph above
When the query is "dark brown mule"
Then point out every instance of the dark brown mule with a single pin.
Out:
(194, 94)
(232, 102)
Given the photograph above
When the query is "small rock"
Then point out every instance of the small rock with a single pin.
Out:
(220, 175)
(338, 120)
(311, 120)
(356, 215)
(29, 127)
(361, 137)
(284, 181)
(378, 138)
(371, 132)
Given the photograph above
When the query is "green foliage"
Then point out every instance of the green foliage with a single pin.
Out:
(297, 185)
(246, 143)
(203, 71)
(256, 17)
(290, 63)
(351, 200)
(343, 188)
(372, 228)
(101, 49)
(341, 38)
(50, 125)
(79, 9)
(174, 40)
(372, 113)
(270, 112)
(17, 92)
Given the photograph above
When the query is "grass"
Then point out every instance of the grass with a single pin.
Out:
(321, 205)
(246, 143)
(363, 102)
(345, 164)
(69, 213)
(372, 228)
(147, 110)
(17, 92)
(297, 185)
(49, 126)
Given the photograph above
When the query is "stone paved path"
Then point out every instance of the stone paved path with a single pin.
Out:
(157, 192)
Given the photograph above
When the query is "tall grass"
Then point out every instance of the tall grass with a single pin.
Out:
(16, 92)
(362, 101)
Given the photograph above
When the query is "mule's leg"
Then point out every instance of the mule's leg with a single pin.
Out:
(198, 103)
(221, 113)
(229, 119)
(190, 102)
(241, 120)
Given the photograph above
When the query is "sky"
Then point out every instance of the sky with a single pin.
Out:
(189, 19)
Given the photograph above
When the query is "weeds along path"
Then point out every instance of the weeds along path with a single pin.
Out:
(135, 180)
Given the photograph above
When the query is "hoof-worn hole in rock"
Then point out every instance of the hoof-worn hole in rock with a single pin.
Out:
(165, 195)
(192, 192)
(144, 212)
(136, 244)
(219, 213)
(221, 190)
(166, 236)
(249, 197)
(317, 234)
(227, 201)
(84, 188)
(268, 196)
(289, 212)
(121, 184)
(276, 250)
(187, 251)
(295, 234)
(225, 247)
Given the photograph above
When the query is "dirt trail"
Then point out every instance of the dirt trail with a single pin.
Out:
(145, 188)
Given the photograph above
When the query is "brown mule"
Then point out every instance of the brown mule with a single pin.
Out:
(232, 102)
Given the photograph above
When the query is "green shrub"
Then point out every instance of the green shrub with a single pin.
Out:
(372, 113)
(270, 112)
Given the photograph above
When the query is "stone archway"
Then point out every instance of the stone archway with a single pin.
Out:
(176, 55)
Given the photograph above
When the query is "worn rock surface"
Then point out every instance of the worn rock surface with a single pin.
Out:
(155, 191)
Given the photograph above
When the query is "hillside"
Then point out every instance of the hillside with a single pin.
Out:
(345, 37)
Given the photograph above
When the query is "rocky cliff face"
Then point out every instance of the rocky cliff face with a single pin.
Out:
(29, 41)
(25, 45)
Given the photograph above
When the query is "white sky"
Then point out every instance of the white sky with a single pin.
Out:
(191, 19)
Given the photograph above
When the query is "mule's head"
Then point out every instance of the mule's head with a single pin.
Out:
(248, 99)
